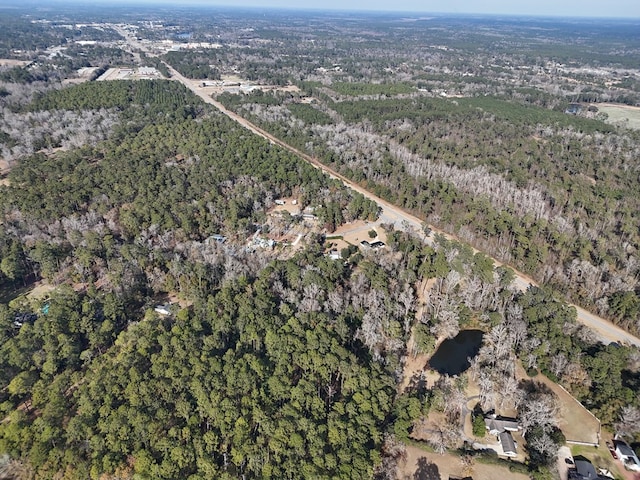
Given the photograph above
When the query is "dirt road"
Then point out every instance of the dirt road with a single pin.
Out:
(605, 330)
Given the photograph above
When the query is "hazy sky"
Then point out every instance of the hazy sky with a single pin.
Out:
(577, 8)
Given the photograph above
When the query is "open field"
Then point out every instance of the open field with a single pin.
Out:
(11, 62)
(40, 290)
(576, 422)
(128, 74)
(422, 465)
(621, 114)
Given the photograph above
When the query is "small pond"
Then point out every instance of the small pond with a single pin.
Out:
(452, 354)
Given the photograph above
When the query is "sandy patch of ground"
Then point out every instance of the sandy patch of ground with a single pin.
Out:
(40, 290)
(4, 166)
(287, 207)
(353, 232)
(415, 367)
(11, 62)
(421, 465)
(174, 298)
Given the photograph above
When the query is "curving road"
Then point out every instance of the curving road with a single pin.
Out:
(605, 330)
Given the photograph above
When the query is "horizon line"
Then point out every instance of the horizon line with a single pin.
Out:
(200, 4)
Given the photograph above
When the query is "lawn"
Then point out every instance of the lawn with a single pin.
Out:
(622, 114)
(423, 465)
(600, 457)
(576, 422)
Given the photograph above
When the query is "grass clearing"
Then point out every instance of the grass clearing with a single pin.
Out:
(599, 457)
(40, 290)
(423, 465)
(624, 115)
(576, 422)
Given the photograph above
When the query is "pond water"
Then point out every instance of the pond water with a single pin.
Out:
(452, 354)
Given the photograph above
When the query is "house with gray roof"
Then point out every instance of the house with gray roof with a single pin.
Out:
(507, 444)
(626, 455)
(496, 424)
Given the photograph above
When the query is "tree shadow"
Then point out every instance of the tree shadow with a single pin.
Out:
(533, 386)
(426, 470)
(417, 384)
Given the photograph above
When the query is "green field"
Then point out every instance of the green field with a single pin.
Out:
(622, 114)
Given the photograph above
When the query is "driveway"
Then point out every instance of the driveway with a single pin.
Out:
(563, 467)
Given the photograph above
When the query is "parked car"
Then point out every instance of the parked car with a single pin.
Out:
(612, 450)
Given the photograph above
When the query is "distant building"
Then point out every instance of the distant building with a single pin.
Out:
(21, 318)
(147, 71)
(573, 109)
(217, 238)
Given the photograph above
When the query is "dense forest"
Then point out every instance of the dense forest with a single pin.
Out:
(134, 214)
(282, 359)
(539, 189)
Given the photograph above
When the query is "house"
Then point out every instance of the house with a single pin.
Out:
(573, 109)
(502, 428)
(22, 318)
(377, 244)
(496, 424)
(584, 471)
(365, 244)
(281, 202)
(626, 455)
(335, 255)
(507, 443)
(147, 71)
(163, 309)
(218, 238)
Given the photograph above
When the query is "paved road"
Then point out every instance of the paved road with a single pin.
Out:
(604, 329)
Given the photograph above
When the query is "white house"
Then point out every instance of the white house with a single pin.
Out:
(163, 309)
(626, 455)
